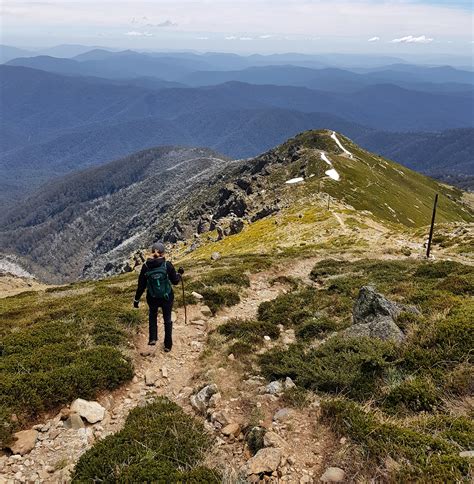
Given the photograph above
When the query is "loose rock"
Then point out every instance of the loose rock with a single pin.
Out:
(200, 401)
(274, 387)
(24, 441)
(264, 461)
(93, 412)
(333, 474)
(231, 429)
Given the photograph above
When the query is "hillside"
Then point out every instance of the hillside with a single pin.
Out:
(203, 193)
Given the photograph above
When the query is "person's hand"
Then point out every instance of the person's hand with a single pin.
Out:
(136, 303)
(181, 270)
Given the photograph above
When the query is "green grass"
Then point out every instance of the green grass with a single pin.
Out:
(159, 443)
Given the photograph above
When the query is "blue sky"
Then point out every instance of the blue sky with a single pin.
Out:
(364, 26)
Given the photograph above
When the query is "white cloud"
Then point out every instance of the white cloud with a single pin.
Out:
(266, 36)
(202, 38)
(231, 37)
(245, 38)
(135, 33)
(374, 39)
(409, 39)
(166, 23)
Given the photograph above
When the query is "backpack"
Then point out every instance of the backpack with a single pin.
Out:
(157, 282)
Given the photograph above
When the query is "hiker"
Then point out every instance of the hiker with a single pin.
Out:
(155, 276)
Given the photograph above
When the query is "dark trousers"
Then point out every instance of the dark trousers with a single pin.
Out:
(166, 307)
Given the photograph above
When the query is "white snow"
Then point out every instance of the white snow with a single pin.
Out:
(326, 159)
(332, 173)
(294, 180)
(336, 139)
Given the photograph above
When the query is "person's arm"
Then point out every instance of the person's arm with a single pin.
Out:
(173, 276)
(141, 285)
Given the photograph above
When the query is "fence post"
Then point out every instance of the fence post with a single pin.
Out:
(428, 249)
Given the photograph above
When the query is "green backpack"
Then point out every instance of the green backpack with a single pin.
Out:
(158, 284)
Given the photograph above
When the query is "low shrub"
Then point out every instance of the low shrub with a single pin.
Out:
(255, 438)
(440, 269)
(431, 458)
(249, 331)
(460, 380)
(351, 365)
(327, 267)
(107, 334)
(159, 443)
(316, 328)
(229, 278)
(241, 348)
(296, 397)
(460, 285)
(219, 297)
(414, 395)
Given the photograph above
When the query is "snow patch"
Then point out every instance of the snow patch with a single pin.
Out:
(294, 180)
(336, 139)
(326, 159)
(9, 265)
(332, 173)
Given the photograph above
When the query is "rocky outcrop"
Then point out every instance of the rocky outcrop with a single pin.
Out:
(375, 316)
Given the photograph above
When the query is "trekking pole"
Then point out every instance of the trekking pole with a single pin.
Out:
(184, 302)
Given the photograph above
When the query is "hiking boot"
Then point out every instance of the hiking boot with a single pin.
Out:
(152, 342)
(167, 350)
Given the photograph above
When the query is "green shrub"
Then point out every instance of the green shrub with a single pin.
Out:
(129, 319)
(107, 334)
(289, 309)
(327, 267)
(231, 278)
(439, 269)
(241, 348)
(249, 331)
(455, 284)
(414, 394)
(255, 439)
(296, 397)
(159, 443)
(219, 297)
(460, 380)
(7, 426)
(351, 365)
(316, 328)
(431, 458)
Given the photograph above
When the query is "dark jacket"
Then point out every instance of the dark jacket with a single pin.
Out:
(150, 264)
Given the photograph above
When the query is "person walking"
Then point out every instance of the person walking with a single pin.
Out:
(157, 276)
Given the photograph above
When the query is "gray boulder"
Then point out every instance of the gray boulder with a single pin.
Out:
(375, 316)
(200, 401)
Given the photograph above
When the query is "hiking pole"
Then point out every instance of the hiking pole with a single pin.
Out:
(184, 301)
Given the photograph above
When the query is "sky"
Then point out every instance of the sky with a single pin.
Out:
(245, 26)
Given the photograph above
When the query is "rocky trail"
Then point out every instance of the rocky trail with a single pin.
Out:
(48, 451)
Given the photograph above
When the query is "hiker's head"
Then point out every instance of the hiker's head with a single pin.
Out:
(158, 250)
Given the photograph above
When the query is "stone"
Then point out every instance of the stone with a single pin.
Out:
(333, 474)
(198, 322)
(274, 387)
(272, 439)
(150, 377)
(24, 441)
(232, 429)
(196, 295)
(282, 414)
(215, 400)
(93, 412)
(164, 372)
(200, 401)
(375, 316)
(74, 422)
(206, 311)
(220, 417)
(266, 460)
(467, 453)
(231, 357)
(289, 383)
(215, 255)
(267, 338)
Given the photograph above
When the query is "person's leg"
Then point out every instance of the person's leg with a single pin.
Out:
(152, 320)
(167, 308)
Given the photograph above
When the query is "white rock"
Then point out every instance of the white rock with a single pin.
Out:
(272, 439)
(206, 311)
(289, 383)
(333, 474)
(164, 372)
(467, 453)
(274, 387)
(92, 411)
(197, 295)
(267, 338)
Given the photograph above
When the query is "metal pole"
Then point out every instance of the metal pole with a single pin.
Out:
(184, 302)
(329, 200)
(432, 227)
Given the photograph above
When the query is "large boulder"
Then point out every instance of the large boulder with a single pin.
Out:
(375, 316)
(93, 412)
